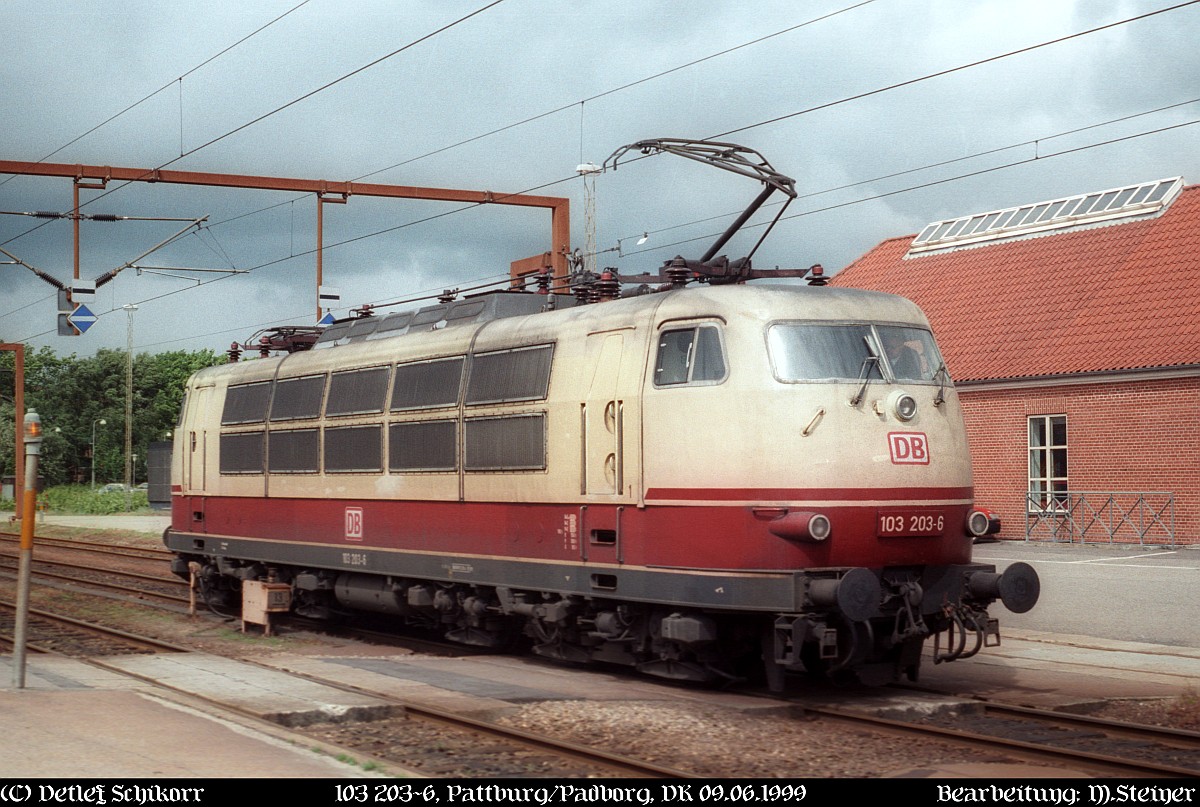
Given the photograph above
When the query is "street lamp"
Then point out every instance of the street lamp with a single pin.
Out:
(129, 309)
(102, 422)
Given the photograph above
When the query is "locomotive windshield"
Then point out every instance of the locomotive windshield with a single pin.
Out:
(825, 352)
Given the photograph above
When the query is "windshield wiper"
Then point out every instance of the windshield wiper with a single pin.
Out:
(941, 371)
(863, 373)
(944, 374)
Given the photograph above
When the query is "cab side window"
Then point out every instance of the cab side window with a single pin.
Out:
(690, 355)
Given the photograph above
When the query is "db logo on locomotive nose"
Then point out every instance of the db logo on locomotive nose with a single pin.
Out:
(909, 448)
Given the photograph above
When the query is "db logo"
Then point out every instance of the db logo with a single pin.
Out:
(354, 524)
(909, 448)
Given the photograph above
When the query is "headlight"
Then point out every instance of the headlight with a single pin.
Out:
(797, 526)
(977, 523)
(903, 405)
(819, 527)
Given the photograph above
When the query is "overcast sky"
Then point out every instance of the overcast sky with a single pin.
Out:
(810, 85)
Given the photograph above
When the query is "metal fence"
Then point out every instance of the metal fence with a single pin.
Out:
(1125, 517)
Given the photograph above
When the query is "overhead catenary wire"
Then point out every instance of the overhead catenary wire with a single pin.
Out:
(894, 86)
(287, 105)
(849, 203)
(894, 174)
(960, 67)
(643, 80)
(847, 99)
(579, 103)
(173, 82)
(800, 112)
(844, 100)
(956, 178)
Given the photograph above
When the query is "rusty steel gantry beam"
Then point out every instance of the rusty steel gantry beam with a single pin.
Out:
(95, 177)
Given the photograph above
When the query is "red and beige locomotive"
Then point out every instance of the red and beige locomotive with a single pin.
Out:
(715, 481)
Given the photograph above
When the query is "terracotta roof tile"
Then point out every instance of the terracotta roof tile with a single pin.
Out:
(1111, 297)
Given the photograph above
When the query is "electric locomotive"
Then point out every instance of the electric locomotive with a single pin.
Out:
(715, 481)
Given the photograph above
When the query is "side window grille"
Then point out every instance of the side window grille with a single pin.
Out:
(242, 453)
(516, 443)
(246, 403)
(522, 374)
(357, 392)
(293, 451)
(354, 449)
(423, 446)
(427, 385)
(297, 398)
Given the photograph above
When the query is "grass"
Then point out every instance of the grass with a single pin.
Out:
(1186, 708)
(82, 500)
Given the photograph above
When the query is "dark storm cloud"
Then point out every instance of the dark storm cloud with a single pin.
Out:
(70, 69)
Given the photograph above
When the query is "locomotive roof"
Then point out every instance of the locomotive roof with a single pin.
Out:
(517, 320)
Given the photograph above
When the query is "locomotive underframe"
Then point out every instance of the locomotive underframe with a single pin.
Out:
(685, 624)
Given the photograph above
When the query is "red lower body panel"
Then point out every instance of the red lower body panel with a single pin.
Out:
(704, 535)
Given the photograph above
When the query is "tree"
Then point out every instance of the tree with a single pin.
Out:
(72, 393)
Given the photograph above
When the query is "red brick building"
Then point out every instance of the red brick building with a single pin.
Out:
(1071, 330)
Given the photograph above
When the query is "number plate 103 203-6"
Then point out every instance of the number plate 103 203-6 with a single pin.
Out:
(909, 523)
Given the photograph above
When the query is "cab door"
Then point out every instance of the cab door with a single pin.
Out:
(195, 460)
(602, 429)
(602, 415)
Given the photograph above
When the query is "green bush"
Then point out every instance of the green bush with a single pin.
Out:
(83, 500)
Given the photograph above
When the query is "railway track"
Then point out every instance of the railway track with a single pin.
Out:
(171, 590)
(63, 635)
(479, 745)
(104, 580)
(98, 547)
(1051, 738)
(1096, 745)
(439, 742)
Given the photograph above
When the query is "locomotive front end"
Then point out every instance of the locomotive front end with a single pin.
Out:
(844, 464)
(896, 527)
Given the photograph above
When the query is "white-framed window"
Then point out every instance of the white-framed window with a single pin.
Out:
(1048, 480)
(690, 355)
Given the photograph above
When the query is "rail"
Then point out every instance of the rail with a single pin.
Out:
(1126, 517)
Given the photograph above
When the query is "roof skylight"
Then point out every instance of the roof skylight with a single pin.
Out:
(1132, 202)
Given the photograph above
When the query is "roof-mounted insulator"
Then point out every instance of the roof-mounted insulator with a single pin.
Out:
(543, 280)
(583, 287)
(367, 310)
(677, 272)
(816, 275)
(234, 353)
(608, 287)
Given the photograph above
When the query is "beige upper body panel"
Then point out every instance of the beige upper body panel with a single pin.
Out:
(611, 433)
